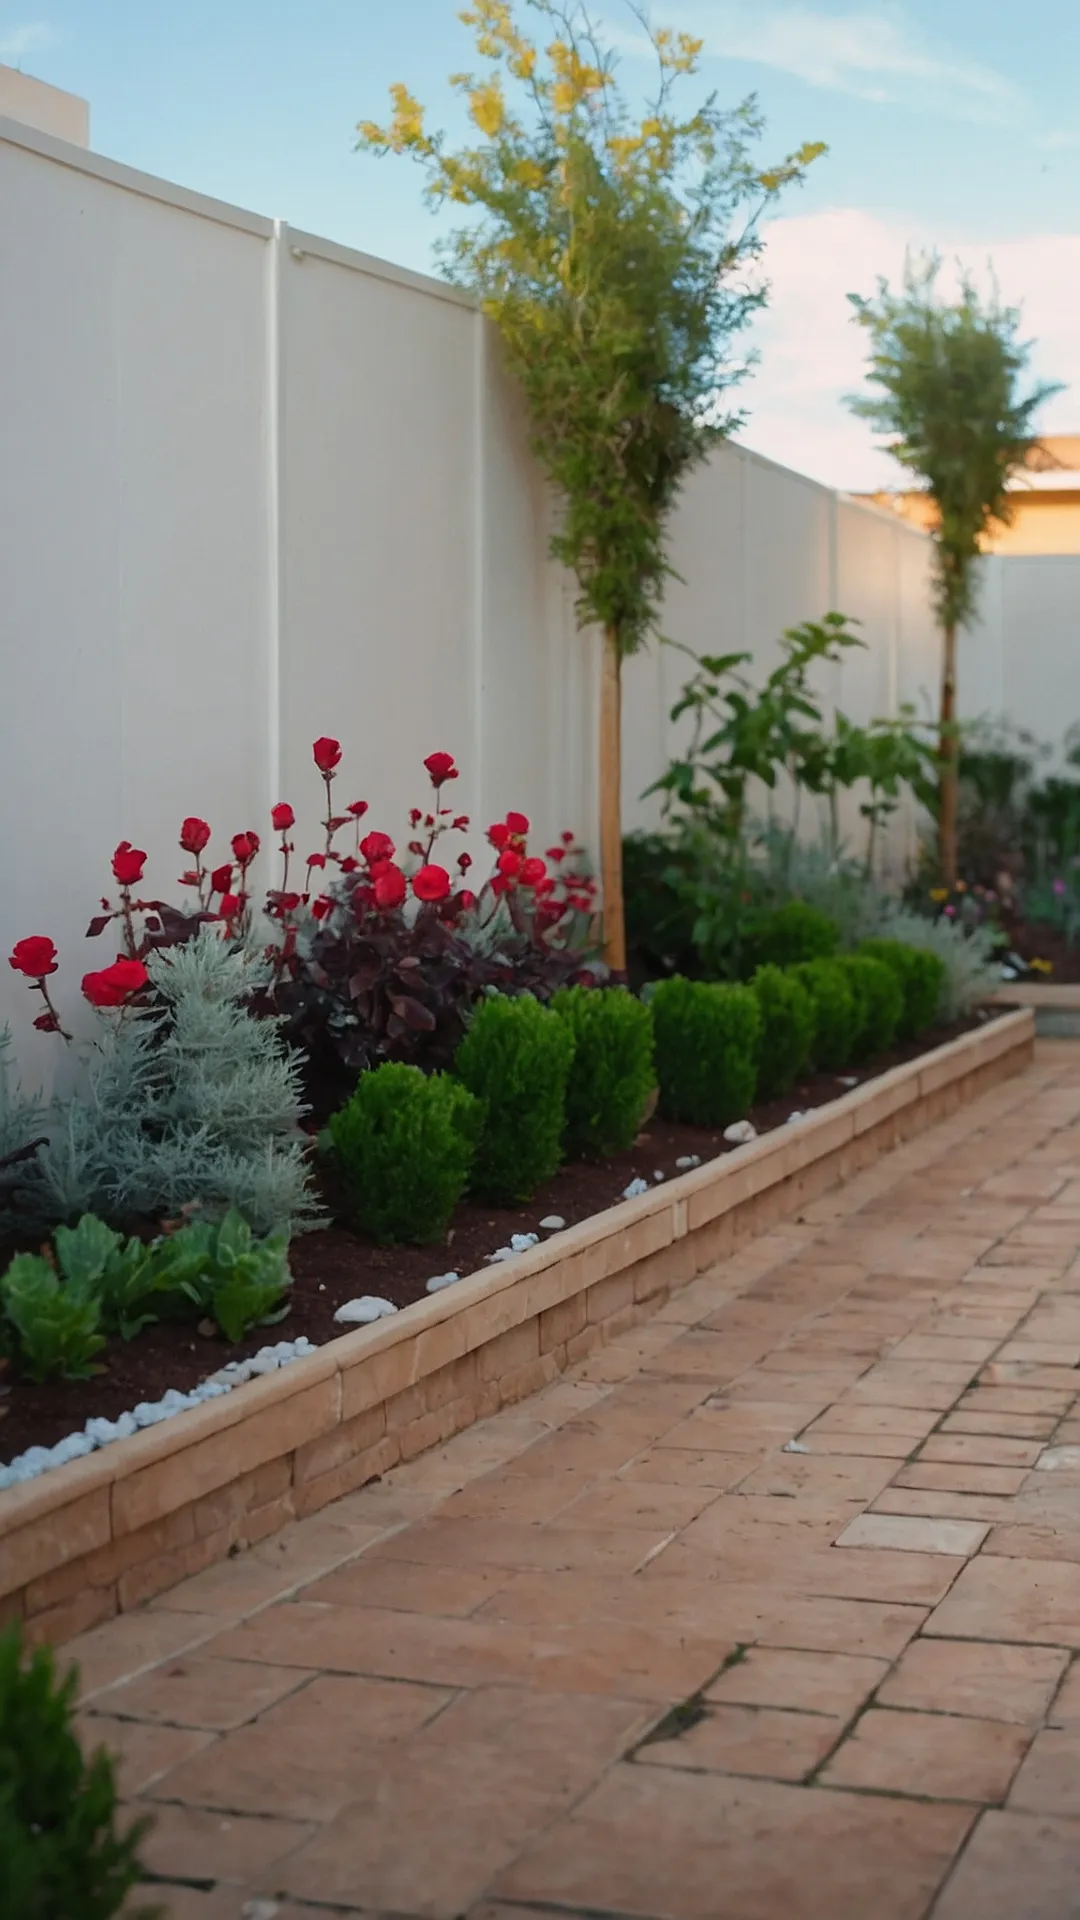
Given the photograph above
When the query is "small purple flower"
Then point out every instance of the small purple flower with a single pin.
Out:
(1059, 888)
(950, 912)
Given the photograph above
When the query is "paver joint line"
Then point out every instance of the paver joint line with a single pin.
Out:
(451, 1694)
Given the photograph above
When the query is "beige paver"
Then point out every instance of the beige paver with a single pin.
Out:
(807, 1505)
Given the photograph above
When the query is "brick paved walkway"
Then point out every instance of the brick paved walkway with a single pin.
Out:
(633, 1648)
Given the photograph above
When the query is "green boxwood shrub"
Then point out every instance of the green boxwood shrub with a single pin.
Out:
(921, 975)
(516, 1058)
(836, 1018)
(794, 933)
(405, 1143)
(612, 1074)
(60, 1850)
(879, 1002)
(707, 1040)
(787, 1030)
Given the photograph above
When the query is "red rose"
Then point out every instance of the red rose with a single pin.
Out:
(47, 1023)
(431, 883)
(194, 835)
(115, 984)
(128, 863)
(556, 853)
(389, 886)
(533, 872)
(35, 956)
(358, 808)
(517, 824)
(509, 864)
(316, 860)
(377, 846)
(245, 846)
(326, 753)
(282, 817)
(231, 905)
(441, 767)
(499, 834)
(466, 901)
(221, 879)
(349, 865)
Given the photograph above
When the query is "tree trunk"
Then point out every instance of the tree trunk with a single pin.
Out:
(610, 771)
(948, 750)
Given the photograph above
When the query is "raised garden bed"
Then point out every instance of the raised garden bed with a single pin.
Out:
(108, 1531)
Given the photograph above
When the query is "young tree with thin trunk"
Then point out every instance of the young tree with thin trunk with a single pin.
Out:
(612, 254)
(949, 379)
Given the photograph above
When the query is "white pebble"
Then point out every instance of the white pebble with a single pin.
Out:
(553, 1223)
(500, 1253)
(658, 1175)
(849, 1079)
(795, 1446)
(635, 1188)
(740, 1133)
(265, 1363)
(688, 1160)
(441, 1280)
(72, 1447)
(362, 1311)
(796, 1119)
(521, 1242)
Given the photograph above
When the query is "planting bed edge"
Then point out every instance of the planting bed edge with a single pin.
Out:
(109, 1531)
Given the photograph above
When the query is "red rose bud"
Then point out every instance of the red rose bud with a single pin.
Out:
(221, 879)
(555, 853)
(431, 883)
(35, 956)
(377, 846)
(389, 886)
(517, 824)
(316, 860)
(128, 863)
(326, 754)
(358, 809)
(349, 865)
(245, 846)
(113, 985)
(499, 834)
(47, 1023)
(567, 838)
(509, 864)
(194, 835)
(441, 767)
(533, 872)
(415, 816)
(461, 823)
(282, 817)
(429, 819)
(231, 905)
(464, 862)
(466, 901)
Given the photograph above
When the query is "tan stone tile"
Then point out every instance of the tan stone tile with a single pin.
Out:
(409, 1586)
(910, 1424)
(761, 1741)
(912, 1535)
(519, 1545)
(650, 1841)
(132, 1644)
(938, 1476)
(989, 1399)
(711, 1469)
(188, 1842)
(983, 1680)
(1016, 1864)
(835, 1684)
(1017, 1426)
(988, 1450)
(506, 1495)
(650, 1504)
(1035, 1601)
(738, 1429)
(305, 1758)
(1066, 1707)
(198, 1691)
(792, 1476)
(954, 1352)
(142, 1753)
(832, 1625)
(932, 1755)
(1032, 1541)
(944, 1506)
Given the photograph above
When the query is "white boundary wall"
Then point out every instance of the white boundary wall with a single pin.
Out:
(255, 487)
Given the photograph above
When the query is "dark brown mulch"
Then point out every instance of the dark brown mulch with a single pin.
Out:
(1037, 941)
(335, 1265)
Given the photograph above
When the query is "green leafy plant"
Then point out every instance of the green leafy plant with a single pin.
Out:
(970, 970)
(836, 1017)
(948, 398)
(405, 1143)
(610, 252)
(56, 1327)
(921, 974)
(613, 1072)
(787, 1030)
(795, 932)
(223, 1270)
(516, 1058)
(879, 1002)
(61, 1853)
(128, 1278)
(707, 1040)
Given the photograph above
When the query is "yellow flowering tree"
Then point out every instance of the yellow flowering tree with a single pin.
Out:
(611, 252)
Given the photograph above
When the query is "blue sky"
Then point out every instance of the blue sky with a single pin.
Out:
(955, 124)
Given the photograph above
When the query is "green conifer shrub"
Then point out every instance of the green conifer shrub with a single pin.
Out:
(613, 1071)
(516, 1058)
(707, 1039)
(405, 1143)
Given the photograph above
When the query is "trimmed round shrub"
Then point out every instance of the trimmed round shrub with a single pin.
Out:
(612, 1074)
(879, 1002)
(707, 1041)
(921, 975)
(516, 1058)
(787, 1030)
(405, 1143)
(836, 1017)
(794, 933)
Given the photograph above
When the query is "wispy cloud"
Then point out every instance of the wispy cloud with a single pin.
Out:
(875, 53)
(17, 42)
